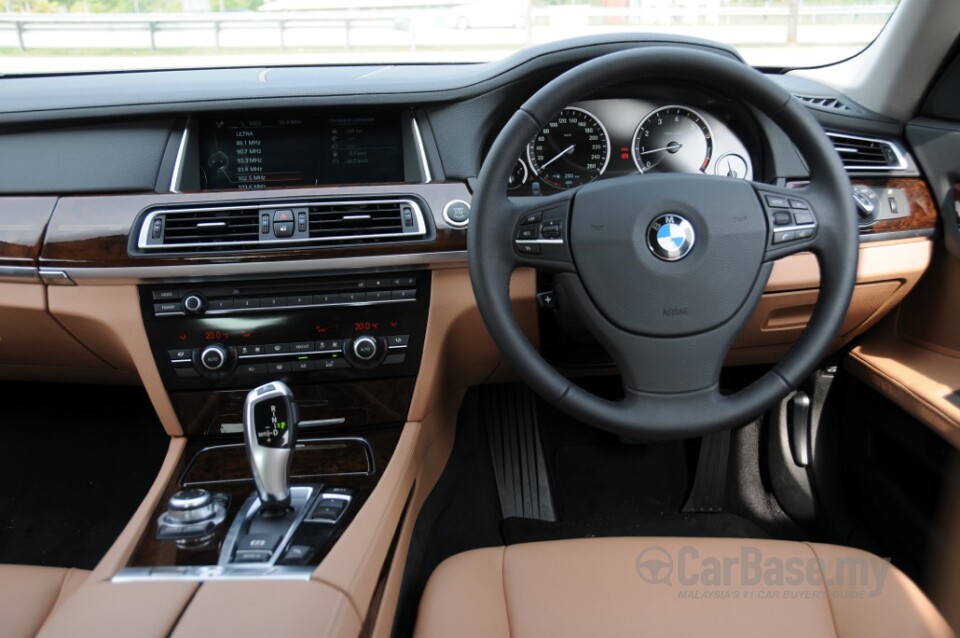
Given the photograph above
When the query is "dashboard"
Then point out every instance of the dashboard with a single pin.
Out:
(199, 230)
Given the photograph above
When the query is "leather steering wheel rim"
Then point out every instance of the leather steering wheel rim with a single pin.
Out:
(669, 357)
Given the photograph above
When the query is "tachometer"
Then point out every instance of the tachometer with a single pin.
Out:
(672, 139)
(571, 149)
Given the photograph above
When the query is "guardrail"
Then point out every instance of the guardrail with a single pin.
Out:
(217, 23)
(109, 30)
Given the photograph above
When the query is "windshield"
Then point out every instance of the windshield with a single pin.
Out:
(46, 36)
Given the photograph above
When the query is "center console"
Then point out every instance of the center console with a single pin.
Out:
(336, 356)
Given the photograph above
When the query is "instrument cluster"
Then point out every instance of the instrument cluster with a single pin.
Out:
(601, 138)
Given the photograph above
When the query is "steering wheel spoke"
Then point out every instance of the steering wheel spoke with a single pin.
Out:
(791, 221)
(540, 232)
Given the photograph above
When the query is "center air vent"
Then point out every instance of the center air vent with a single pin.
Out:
(866, 154)
(369, 219)
(282, 224)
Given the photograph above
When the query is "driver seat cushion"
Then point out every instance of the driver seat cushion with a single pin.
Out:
(673, 587)
(29, 594)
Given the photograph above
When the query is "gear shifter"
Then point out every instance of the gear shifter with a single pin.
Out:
(270, 432)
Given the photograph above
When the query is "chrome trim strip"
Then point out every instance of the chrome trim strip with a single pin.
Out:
(321, 423)
(421, 150)
(141, 274)
(19, 273)
(901, 157)
(213, 572)
(351, 304)
(539, 241)
(54, 277)
(143, 243)
(177, 176)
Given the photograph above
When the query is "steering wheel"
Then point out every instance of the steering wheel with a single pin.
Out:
(664, 269)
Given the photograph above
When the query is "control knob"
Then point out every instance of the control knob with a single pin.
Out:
(365, 348)
(194, 304)
(214, 357)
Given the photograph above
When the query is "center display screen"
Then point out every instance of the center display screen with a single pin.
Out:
(259, 151)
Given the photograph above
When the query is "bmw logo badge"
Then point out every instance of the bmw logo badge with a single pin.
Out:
(670, 237)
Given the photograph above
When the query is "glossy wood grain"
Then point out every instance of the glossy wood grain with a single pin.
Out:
(22, 221)
(153, 553)
(95, 231)
(923, 210)
(359, 403)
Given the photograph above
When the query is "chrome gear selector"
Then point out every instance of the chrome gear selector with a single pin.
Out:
(270, 432)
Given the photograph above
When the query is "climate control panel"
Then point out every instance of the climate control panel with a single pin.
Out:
(213, 336)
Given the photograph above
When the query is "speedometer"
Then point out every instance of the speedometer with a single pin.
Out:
(672, 139)
(571, 149)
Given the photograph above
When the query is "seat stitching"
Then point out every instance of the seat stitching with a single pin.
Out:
(823, 580)
(503, 589)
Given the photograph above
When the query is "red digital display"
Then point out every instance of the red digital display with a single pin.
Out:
(365, 326)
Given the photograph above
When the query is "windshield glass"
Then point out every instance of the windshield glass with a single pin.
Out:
(46, 36)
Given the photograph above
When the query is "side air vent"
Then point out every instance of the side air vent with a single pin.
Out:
(866, 154)
(827, 103)
(281, 224)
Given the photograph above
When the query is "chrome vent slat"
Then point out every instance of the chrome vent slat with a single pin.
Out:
(868, 154)
(238, 228)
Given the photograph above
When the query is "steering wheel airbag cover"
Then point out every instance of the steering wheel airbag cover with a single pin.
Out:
(645, 294)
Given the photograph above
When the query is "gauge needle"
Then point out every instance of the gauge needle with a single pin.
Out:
(565, 151)
(673, 147)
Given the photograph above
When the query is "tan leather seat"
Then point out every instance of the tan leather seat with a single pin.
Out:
(29, 594)
(673, 587)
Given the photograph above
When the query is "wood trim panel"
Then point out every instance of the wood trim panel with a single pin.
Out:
(358, 402)
(22, 222)
(95, 231)
(923, 210)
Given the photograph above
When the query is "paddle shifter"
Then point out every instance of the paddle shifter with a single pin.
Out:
(270, 432)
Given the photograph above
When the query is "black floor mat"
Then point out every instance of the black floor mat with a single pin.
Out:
(75, 463)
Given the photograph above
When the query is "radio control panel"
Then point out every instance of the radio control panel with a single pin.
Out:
(321, 329)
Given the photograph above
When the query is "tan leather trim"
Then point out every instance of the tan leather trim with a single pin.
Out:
(72, 581)
(29, 336)
(887, 272)
(269, 610)
(900, 609)
(442, 423)
(458, 351)
(879, 261)
(594, 587)
(931, 315)
(108, 319)
(353, 565)
(29, 594)
(132, 609)
(119, 553)
(921, 381)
